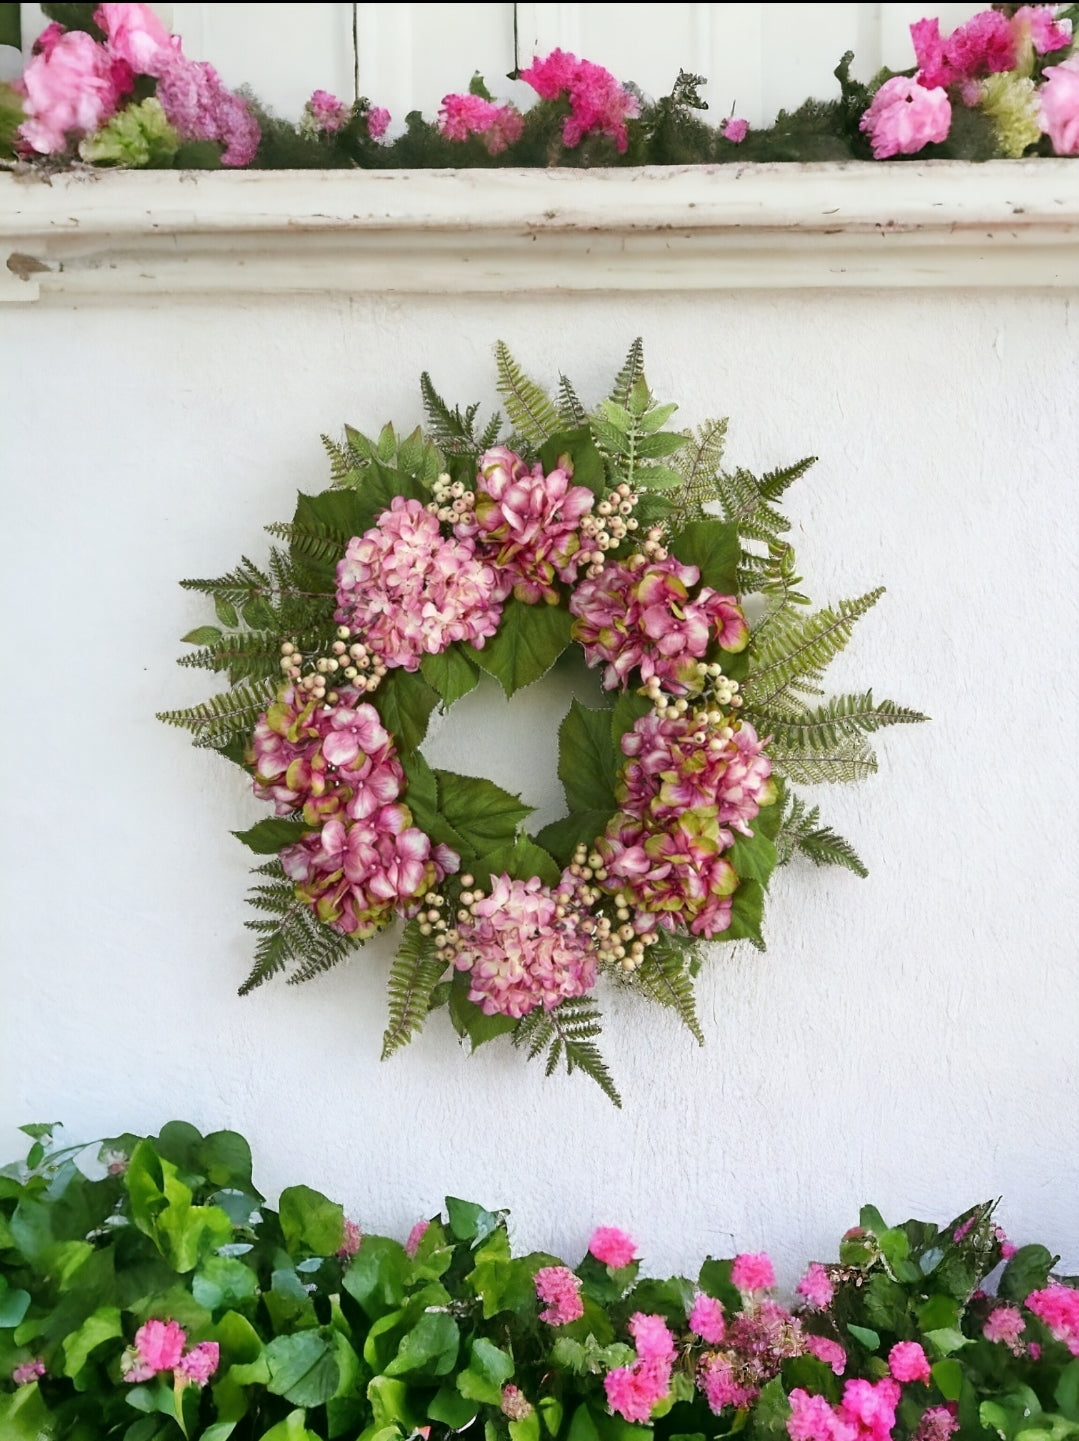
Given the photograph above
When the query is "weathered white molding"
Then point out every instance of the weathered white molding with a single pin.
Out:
(1012, 224)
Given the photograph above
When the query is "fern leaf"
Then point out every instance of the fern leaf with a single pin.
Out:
(416, 971)
(238, 586)
(528, 407)
(801, 831)
(841, 717)
(315, 541)
(490, 433)
(698, 465)
(247, 655)
(568, 1033)
(630, 373)
(341, 461)
(775, 483)
(223, 717)
(850, 760)
(293, 938)
(570, 410)
(797, 649)
(663, 976)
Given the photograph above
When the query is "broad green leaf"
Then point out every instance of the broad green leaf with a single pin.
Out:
(25, 1417)
(526, 1430)
(550, 1409)
(404, 701)
(225, 1156)
(224, 1281)
(947, 1339)
(561, 838)
(303, 1367)
(938, 1313)
(587, 463)
(771, 1411)
(587, 764)
(451, 1408)
(219, 1431)
(450, 672)
(629, 707)
(747, 912)
(292, 1428)
(393, 1405)
(289, 1305)
(421, 797)
(1066, 1394)
(482, 813)
(868, 1338)
(312, 1224)
(378, 1276)
(268, 837)
(520, 861)
(226, 613)
(715, 1281)
(582, 1426)
(657, 477)
(161, 1207)
(660, 445)
(1028, 1270)
(13, 1304)
(103, 1325)
(528, 642)
(201, 635)
(470, 1221)
(488, 1370)
(714, 548)
(240, 1343)
(467, 1018)
(429, 1349)
(753, 857)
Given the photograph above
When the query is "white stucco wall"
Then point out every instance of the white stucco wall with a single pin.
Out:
(909, 1039)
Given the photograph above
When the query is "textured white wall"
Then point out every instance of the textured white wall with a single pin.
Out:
(909, 1039)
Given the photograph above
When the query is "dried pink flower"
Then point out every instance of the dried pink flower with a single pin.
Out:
(612, 1247)
(905, 116)
(28, 1371)
(908, 1362)
(560, 1289)
(724, 1383)
(938, 1423)
(351, 1241)
(198, 104)
(326, 112)
(1004, 1324)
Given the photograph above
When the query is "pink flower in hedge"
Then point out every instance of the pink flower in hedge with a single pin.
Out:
(1005, 1325)
(1007, 1249)
(200, 106)
(963, 1230)
(560, 1290)
(409, 592)
(752, 1271)
(599, 104)
(905, 116)
(515, 1405)
(137, 36)
(326, 112)
(28, 1371)
(1058, 1307)
(872, 1407)
(612, 1247)
(71, 87)
(828, 1351)
(631, 1393)
(938, 1423)
(158, 1347)
(764, 1334)
(813, 1419)
(908, 1362)
(461, 116)
(634, 1390)
(735, 130)
(985, 45)
(722, 1384)
(653, 1338)
(815, 1287)
(706, 1319)
(415, 1236)
(378, 121)
(1059, 106)
(200, 1363)
(351, 1241)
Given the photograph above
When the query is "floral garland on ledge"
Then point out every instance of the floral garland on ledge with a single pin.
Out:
(148, 1292)
(436, 558)
(109, 85)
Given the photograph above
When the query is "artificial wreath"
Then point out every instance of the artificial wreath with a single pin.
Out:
(435, 557)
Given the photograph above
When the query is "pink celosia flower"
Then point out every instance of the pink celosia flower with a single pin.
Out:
(378, 120)
(1005, 1325)
(706, 1319)
(200, 1363)
(612, 1247)
(201, 108)
(463, 115)
(71, 87)
(1007, 1250)
(351, 1241)
(526, 524)
(137, 36)
(752, 1271)
(560, 1289)
(815, 1287)
(631, 1393)
(908, 1362)
(1059, 106)
(938, 1423)
(723, 1384)
(905, 116)
(985, 45)
(415, 1236)
(1058, 1307)
(409, 592)
(735, 130)
(1034, 1351)
(326, 112)
(813, 1419)
(598, 103)
(520, 953)
(634, 1390)
(158, 1346)
(828, 1351)
(653, 1338)
(28, 1371)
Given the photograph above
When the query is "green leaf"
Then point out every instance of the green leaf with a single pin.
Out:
(304, 1367)
(414, 977)
(103, 1325)
(450, 672)
(938, 1312)
(422, 799)
(714, 547)
(25, 1417)
(161, 1207)
(1066, 1394)
(488, 1370)
(520, 861)
(467, 1018)
(312, 1224)
(526, 645)
(527, 1429)
(587, 764)
(588, 467)
(947, 1339)
(747, 912)
(405, 701)
(13, 1305)
(451, 1408)
(528, 407)
(201, 635)
(770, 1411)
(481, 813)
(1028, 1270)
(629, 707)
(753, 857)
(224, 1281)
(429, 1349)
(270, 836)
(226, 613)
(561, 838)
(292, 1428)
(378, 1276)
(869, 1339)
(393, 1405)
(582, 1426)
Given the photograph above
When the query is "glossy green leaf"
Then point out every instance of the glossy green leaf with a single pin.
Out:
(561, 838)
(103, 1325)
(25, 1417)
(753, 857)
(587, 764)
(863, 1334)
(467, 1018)
(714, 548)
(428, 1349)
(405, 701)
(450, 672)
(482, 813)
(747, 913)
(312, 1224)
(587, 463)
(488, 1370)
(946, 1340)
(1066, 1394)
(527, 1429)
(271, 835)
(521, 861)
(303, 1367)
(1028, 1270)
(392, 1404)
(224, 1281)
(528, 642)
(292, 1428)
(378, 1275)
(451, 1408)
(13, 1304)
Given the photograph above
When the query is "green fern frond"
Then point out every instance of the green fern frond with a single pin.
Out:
(849, 760)
(313, 541)
(568, 1034)
(698, 465)
(570, 410)
(293, 938)
(796, 649)
(629, 375)
(774, 483)
(416, 971)
(838, 718)
(223, 717)
(451, 430)
(663, 975)
(801, 831)
(247, 655)
(237, 586)
(529, 408)
(490, 432)
(341, 461)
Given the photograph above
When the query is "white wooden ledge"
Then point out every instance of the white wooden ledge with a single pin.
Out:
(1012, 224)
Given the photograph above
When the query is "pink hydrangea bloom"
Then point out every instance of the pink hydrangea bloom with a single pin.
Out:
(905, 116)
(641, 617)
(327, 113)
(378, 121)
(463, 115)
(560, 1290)
(612, 1247)
(816, 1287)
(415, 1236)
(706, 1319)
(735, 130)
(158, 1347)
(631, 1393)
(724, 1383)
(200, 1363)
(673, 876)
(984, 45)
(828, 1351)
(599, 104)
(752, 1271)
(1037, 26)
(1058, 1307)
(938, 1423)
(520, 953)
(908, 1362)
(1059, 106)
(71, 86)
(198, 104)
(28, 1371)
(351, 1241)
(1005, 1325)
(526, 524)
(409, 592)
(136, 36)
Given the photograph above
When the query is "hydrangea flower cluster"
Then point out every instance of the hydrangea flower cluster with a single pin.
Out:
(461, 116)
(633, 1390)
(1057, 1307)
(599, 104)
(159, 1346)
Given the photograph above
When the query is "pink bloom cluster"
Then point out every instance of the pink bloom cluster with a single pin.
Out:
(599, 104)
(905, 116)
(72, 85)
(1059, 106)
(908, 1362)
(828, 1351)
(526, 524)
(754, 1342)
(816, 1287)
(1058, 1307)
(866, 1413)
(938, 1423)
(706, 1319)
(463, 115)
(1005, 1325)
(752, 1271)
(520, 953)
(640, 617)
(987, 44)
(159, 1346)
(632, 1391)
(409, 592)
(326, 112)
(560, 1290)
(734, 129)
(612, 1247)
(28, 1371)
